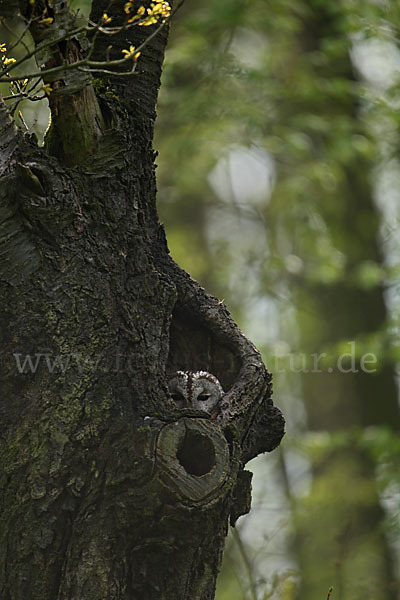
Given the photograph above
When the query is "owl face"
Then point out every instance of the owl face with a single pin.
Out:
(195, 389)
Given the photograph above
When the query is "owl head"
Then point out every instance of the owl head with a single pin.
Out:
(195, 389)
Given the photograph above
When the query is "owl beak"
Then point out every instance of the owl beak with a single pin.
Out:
(215, 413)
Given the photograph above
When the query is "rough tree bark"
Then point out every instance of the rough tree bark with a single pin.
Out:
(108, 491)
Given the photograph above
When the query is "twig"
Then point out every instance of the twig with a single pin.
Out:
(243, 553)
(23, 120)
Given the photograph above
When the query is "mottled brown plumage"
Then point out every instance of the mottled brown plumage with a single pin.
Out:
(195, 389)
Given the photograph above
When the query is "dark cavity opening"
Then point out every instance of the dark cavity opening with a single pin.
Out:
(194, 347)
(196, 454)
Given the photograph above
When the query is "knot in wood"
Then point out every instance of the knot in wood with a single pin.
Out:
(193, 458)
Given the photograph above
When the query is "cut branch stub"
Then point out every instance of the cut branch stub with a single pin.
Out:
(193, 458)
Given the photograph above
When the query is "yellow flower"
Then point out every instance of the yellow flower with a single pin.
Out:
(3, 48)
(105, 19)
(131, 53)
(8, 61)
(47, 89)
(150, 20)
(47, 21)
(158, 9)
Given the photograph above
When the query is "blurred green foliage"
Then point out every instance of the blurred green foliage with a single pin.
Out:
(304, 256)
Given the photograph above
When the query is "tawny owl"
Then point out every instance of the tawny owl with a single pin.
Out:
(195, 389)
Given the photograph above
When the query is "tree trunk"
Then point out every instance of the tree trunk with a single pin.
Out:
(108, 490)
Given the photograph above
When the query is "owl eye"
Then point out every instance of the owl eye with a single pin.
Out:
(178, 398)
(203, 397)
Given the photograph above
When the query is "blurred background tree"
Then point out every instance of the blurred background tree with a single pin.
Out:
(279, 186)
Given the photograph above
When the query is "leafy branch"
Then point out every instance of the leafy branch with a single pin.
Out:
(23, 87)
